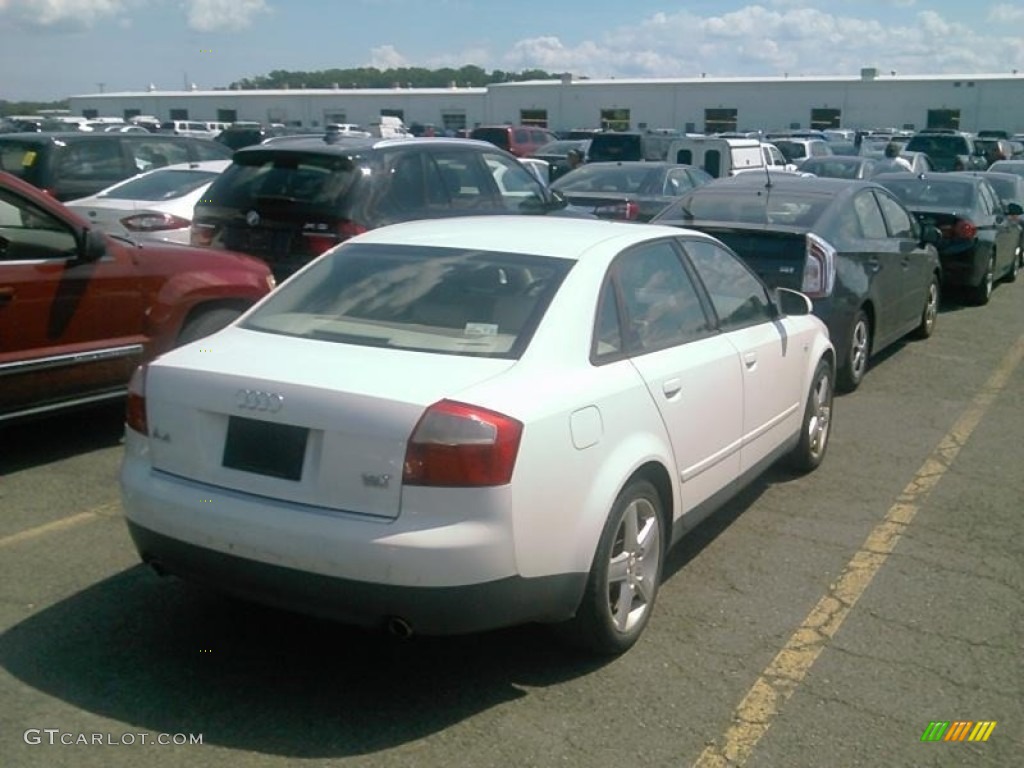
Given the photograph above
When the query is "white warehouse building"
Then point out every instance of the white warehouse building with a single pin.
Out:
(705, 104)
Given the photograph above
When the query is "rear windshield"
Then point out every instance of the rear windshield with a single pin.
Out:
(779, 207)
(609, 177)
(939, 146)
(609, 146)
(426, 299)
(161, 185)
(496, 136)
(20, 159)
(311, 180)
(792, 150)
(932, 193)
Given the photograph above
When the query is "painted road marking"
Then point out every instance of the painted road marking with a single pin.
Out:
(105, 510)
(780, 679)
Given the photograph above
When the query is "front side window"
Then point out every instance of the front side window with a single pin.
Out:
(28, 233)
(419, 298)
(518, 189)
(662, 307)
(739, 298)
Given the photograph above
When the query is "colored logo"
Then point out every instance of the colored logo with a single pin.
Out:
(958, 730)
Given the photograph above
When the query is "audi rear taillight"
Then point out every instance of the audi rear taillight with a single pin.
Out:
(318, 242)
(819, 268)
(628, 211)
(135, 414)
(153, 222)
(462, 446)
(201, 234)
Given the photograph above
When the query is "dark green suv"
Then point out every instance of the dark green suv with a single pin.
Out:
(71, 165)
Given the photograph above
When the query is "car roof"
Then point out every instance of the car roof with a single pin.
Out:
(814, 185)
(556, 237)
(344, 144)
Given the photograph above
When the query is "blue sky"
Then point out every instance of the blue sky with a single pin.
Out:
(56, 48)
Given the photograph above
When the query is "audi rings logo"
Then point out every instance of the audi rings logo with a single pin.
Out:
(255, 400)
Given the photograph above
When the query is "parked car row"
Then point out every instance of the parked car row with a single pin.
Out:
(454, 425)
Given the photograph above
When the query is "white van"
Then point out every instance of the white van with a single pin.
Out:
(192, 128)
(718, 156)
(389, 128)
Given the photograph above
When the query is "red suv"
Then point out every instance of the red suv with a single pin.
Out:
(520, 140)
(79, 310)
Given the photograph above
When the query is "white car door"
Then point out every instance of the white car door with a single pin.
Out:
(773, 361)
(693, 374)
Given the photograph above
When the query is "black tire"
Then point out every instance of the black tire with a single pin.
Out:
(981, 294)
(205, 323)
(817, 422)
(857, 354)
(616, 607)
(930, 313)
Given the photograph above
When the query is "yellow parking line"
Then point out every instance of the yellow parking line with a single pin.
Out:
(780, 679)
(59, 525)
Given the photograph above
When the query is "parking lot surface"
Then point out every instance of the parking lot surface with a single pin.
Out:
(824, 620)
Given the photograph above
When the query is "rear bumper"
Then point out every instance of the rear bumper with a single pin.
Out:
(963, 266)
(426, 610)
(441, 571)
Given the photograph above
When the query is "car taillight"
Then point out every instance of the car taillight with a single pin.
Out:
(321, 242)
(628, 211)
(153, 222)
(135, 414)
(964, 229)
(201, 234)
(819, 268)
(460, 445)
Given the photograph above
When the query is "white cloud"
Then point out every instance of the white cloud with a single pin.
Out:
(1006, 14)
(64, 13)
(214, 15)
(386, 57)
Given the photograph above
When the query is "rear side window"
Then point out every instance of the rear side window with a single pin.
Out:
(428, 299)
(91, 160)
(317, 181)
(21, 159)
(210, 150)
(150, 154)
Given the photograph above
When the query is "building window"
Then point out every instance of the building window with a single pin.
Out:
(453, 121)
(908, 126)
(130, 113)
(535, 117)
(615, 119)
(178, 114)
(227, 115)
(944, 118)
(334, 116)
(399, 113)
(719, 120)
(794, 126)
(90, 113)
(691, 128)
(825, 118)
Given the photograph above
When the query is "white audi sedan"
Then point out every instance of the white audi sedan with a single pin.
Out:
(454, 425)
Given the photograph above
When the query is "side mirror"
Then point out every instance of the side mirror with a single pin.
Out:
(792, 302)
(1014, 209)
(93, 246)
(930, 235)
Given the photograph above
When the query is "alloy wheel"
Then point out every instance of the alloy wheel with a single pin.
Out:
(821, 419)
(634, 565)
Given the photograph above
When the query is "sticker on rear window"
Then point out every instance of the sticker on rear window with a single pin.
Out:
(480, 329)
(28, 159)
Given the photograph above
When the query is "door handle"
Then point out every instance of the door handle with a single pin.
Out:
(671, 387)
(750, 360)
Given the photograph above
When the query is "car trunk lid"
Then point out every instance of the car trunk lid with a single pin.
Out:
(327, 430)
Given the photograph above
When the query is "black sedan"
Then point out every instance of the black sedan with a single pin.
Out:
(839, 166)
(868, 266)
(629, 191)
(980, 233)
